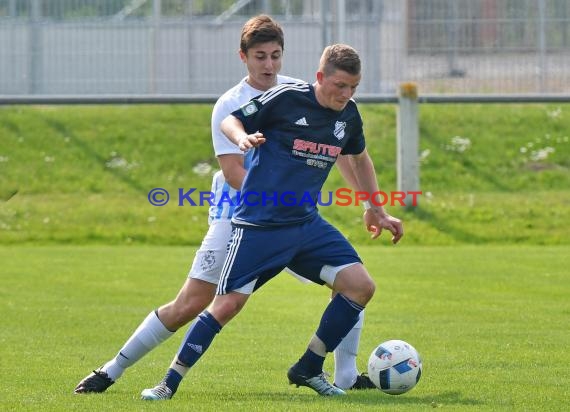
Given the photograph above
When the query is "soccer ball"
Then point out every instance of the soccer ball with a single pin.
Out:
(395, 367)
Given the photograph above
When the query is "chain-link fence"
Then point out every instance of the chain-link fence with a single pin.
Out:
(189, 47)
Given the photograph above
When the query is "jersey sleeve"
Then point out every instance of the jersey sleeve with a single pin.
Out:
(250, 114)
(356, 143)
(222, 145)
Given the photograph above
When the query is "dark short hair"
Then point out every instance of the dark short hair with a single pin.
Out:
(340, 57)
(260, 29)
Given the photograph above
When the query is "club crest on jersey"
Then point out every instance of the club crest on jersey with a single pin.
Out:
(339, 130)
(249, 109)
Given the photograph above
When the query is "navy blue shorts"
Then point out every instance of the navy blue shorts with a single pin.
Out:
(261, 253)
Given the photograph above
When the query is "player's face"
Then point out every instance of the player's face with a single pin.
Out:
(263, 62)
(335, 90)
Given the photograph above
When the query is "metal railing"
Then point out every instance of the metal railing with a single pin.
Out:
(182, 50)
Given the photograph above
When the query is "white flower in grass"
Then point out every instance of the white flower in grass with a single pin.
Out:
(460, 144)
(202, 169)
(555, 114)
(541, 154)
(119, 162)
(523, 150)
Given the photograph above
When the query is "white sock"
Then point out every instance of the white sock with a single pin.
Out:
(150, 333)
(345, 370)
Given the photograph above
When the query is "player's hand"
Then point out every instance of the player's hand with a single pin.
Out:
(250, 141)
(376, 221)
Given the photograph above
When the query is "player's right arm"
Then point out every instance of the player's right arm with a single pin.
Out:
(233, 128)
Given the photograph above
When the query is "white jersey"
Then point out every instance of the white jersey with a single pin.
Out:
(230, 101)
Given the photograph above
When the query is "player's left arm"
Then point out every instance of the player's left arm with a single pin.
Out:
(375, 217)
(233, 169)
(345, 169)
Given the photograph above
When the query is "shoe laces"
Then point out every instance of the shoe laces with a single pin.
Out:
(162, 391)
(363, 381)
(320, 384)
(103, 375)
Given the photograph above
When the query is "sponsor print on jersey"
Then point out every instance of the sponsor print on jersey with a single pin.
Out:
(316, 154)
(248, 109)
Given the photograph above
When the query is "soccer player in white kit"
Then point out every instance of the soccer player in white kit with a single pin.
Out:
(261, 49)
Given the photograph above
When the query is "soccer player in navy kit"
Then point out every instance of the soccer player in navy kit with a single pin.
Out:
(297, 131)
(261, 50)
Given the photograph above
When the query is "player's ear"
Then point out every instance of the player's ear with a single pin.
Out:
(320, 76)
(242, 56)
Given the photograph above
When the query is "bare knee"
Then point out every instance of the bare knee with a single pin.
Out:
(368, 289)
(355, 283)
(226, 307)
(193, 298)
(181, 313)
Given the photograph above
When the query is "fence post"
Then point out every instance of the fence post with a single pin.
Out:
(35, 69)
(408, 143)
(154, 40)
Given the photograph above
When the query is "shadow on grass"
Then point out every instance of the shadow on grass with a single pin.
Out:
(296, 399)
(11, 126)
(486, 174)
(438, 400)
(362, 398)
(442, 225)
(90, 152)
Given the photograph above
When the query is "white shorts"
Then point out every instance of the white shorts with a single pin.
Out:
(209, 259)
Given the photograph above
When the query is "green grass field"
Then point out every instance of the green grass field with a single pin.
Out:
(479, 284)
(81, 175)
(491, 323)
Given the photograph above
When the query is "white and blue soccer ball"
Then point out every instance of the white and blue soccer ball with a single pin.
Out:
(395, 367)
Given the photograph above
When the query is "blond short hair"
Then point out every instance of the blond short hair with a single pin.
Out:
(340, 57)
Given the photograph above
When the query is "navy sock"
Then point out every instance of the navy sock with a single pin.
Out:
(338, 319)
(197, 340)
(311, 363)
(172, 380)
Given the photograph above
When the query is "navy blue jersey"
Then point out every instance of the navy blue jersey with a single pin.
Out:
(303, 142)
